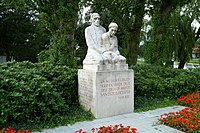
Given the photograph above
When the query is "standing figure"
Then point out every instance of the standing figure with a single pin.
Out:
(93, 35)
(111, 53)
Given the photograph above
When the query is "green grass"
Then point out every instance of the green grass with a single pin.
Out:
(141, 62)
(194, 61)
(143, 104)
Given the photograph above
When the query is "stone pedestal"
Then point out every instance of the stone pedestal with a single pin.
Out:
(106, 92)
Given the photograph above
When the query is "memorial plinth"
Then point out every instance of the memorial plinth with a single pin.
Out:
(105, 84)
(106, 90)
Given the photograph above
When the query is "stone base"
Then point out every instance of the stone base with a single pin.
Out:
(106, 93)
(111, 67)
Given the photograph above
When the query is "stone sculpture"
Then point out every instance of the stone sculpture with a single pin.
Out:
(109, 45)
(93, 35)
(105, 84)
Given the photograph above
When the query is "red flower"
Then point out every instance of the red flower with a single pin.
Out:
(10, 130)
(112, 129)
(187, 119)
(133, 130)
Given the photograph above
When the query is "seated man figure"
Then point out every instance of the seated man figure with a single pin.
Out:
(109, 45)
(93, 35)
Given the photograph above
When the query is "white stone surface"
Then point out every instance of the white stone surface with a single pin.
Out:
(102, 45)
(111, 67)
(93, 35)
(106, 93)
(105, 83)
(141, 121)
(109, 45)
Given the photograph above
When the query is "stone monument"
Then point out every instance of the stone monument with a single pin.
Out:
(105, 84)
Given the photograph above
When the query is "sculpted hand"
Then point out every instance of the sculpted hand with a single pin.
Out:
(103, 51)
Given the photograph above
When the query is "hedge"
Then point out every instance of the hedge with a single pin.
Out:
(35, 92)
(161, 82)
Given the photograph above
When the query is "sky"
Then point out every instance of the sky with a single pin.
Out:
(195, 24)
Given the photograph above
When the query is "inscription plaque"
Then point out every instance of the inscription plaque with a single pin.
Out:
(106, 93)
(85, 90)
(120, 87)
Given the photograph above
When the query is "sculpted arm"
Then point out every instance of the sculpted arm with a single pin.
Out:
(105, 43)
(115, 45)
(112, 47)
(89, 40)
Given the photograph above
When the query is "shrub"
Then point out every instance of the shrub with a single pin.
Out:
(35, 92)
(44, 92)
(161, 82)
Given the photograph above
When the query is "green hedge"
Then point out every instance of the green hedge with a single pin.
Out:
(43, 92)
(155, 82)
(35, 92)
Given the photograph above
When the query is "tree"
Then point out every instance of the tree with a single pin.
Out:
(19, 38)
(160, 12)
(80, 43)
(17, 30)
(183, 39)
(59, 17)
(197, 35)
(139, 12)
(183, 33)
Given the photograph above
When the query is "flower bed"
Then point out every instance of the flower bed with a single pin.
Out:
(110, 129)
(188, 119)
(191, 100)
(10, 130)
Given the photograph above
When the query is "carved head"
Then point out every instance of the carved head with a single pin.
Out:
(112, 28)
(95, 19)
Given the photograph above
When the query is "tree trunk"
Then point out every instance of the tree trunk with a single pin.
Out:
(70, 31)
(160, 28)
(197, 34)
(8, 56)
(136, 30)
(181, 64)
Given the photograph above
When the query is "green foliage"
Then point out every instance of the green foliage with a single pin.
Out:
(183, 37)
(156, 86)
(38, 93)
(160, 82)
(43, 95)
(143, 104)
(20, 36)
(81, 42)
(60, 19)
(170, 34)
(196, 62)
